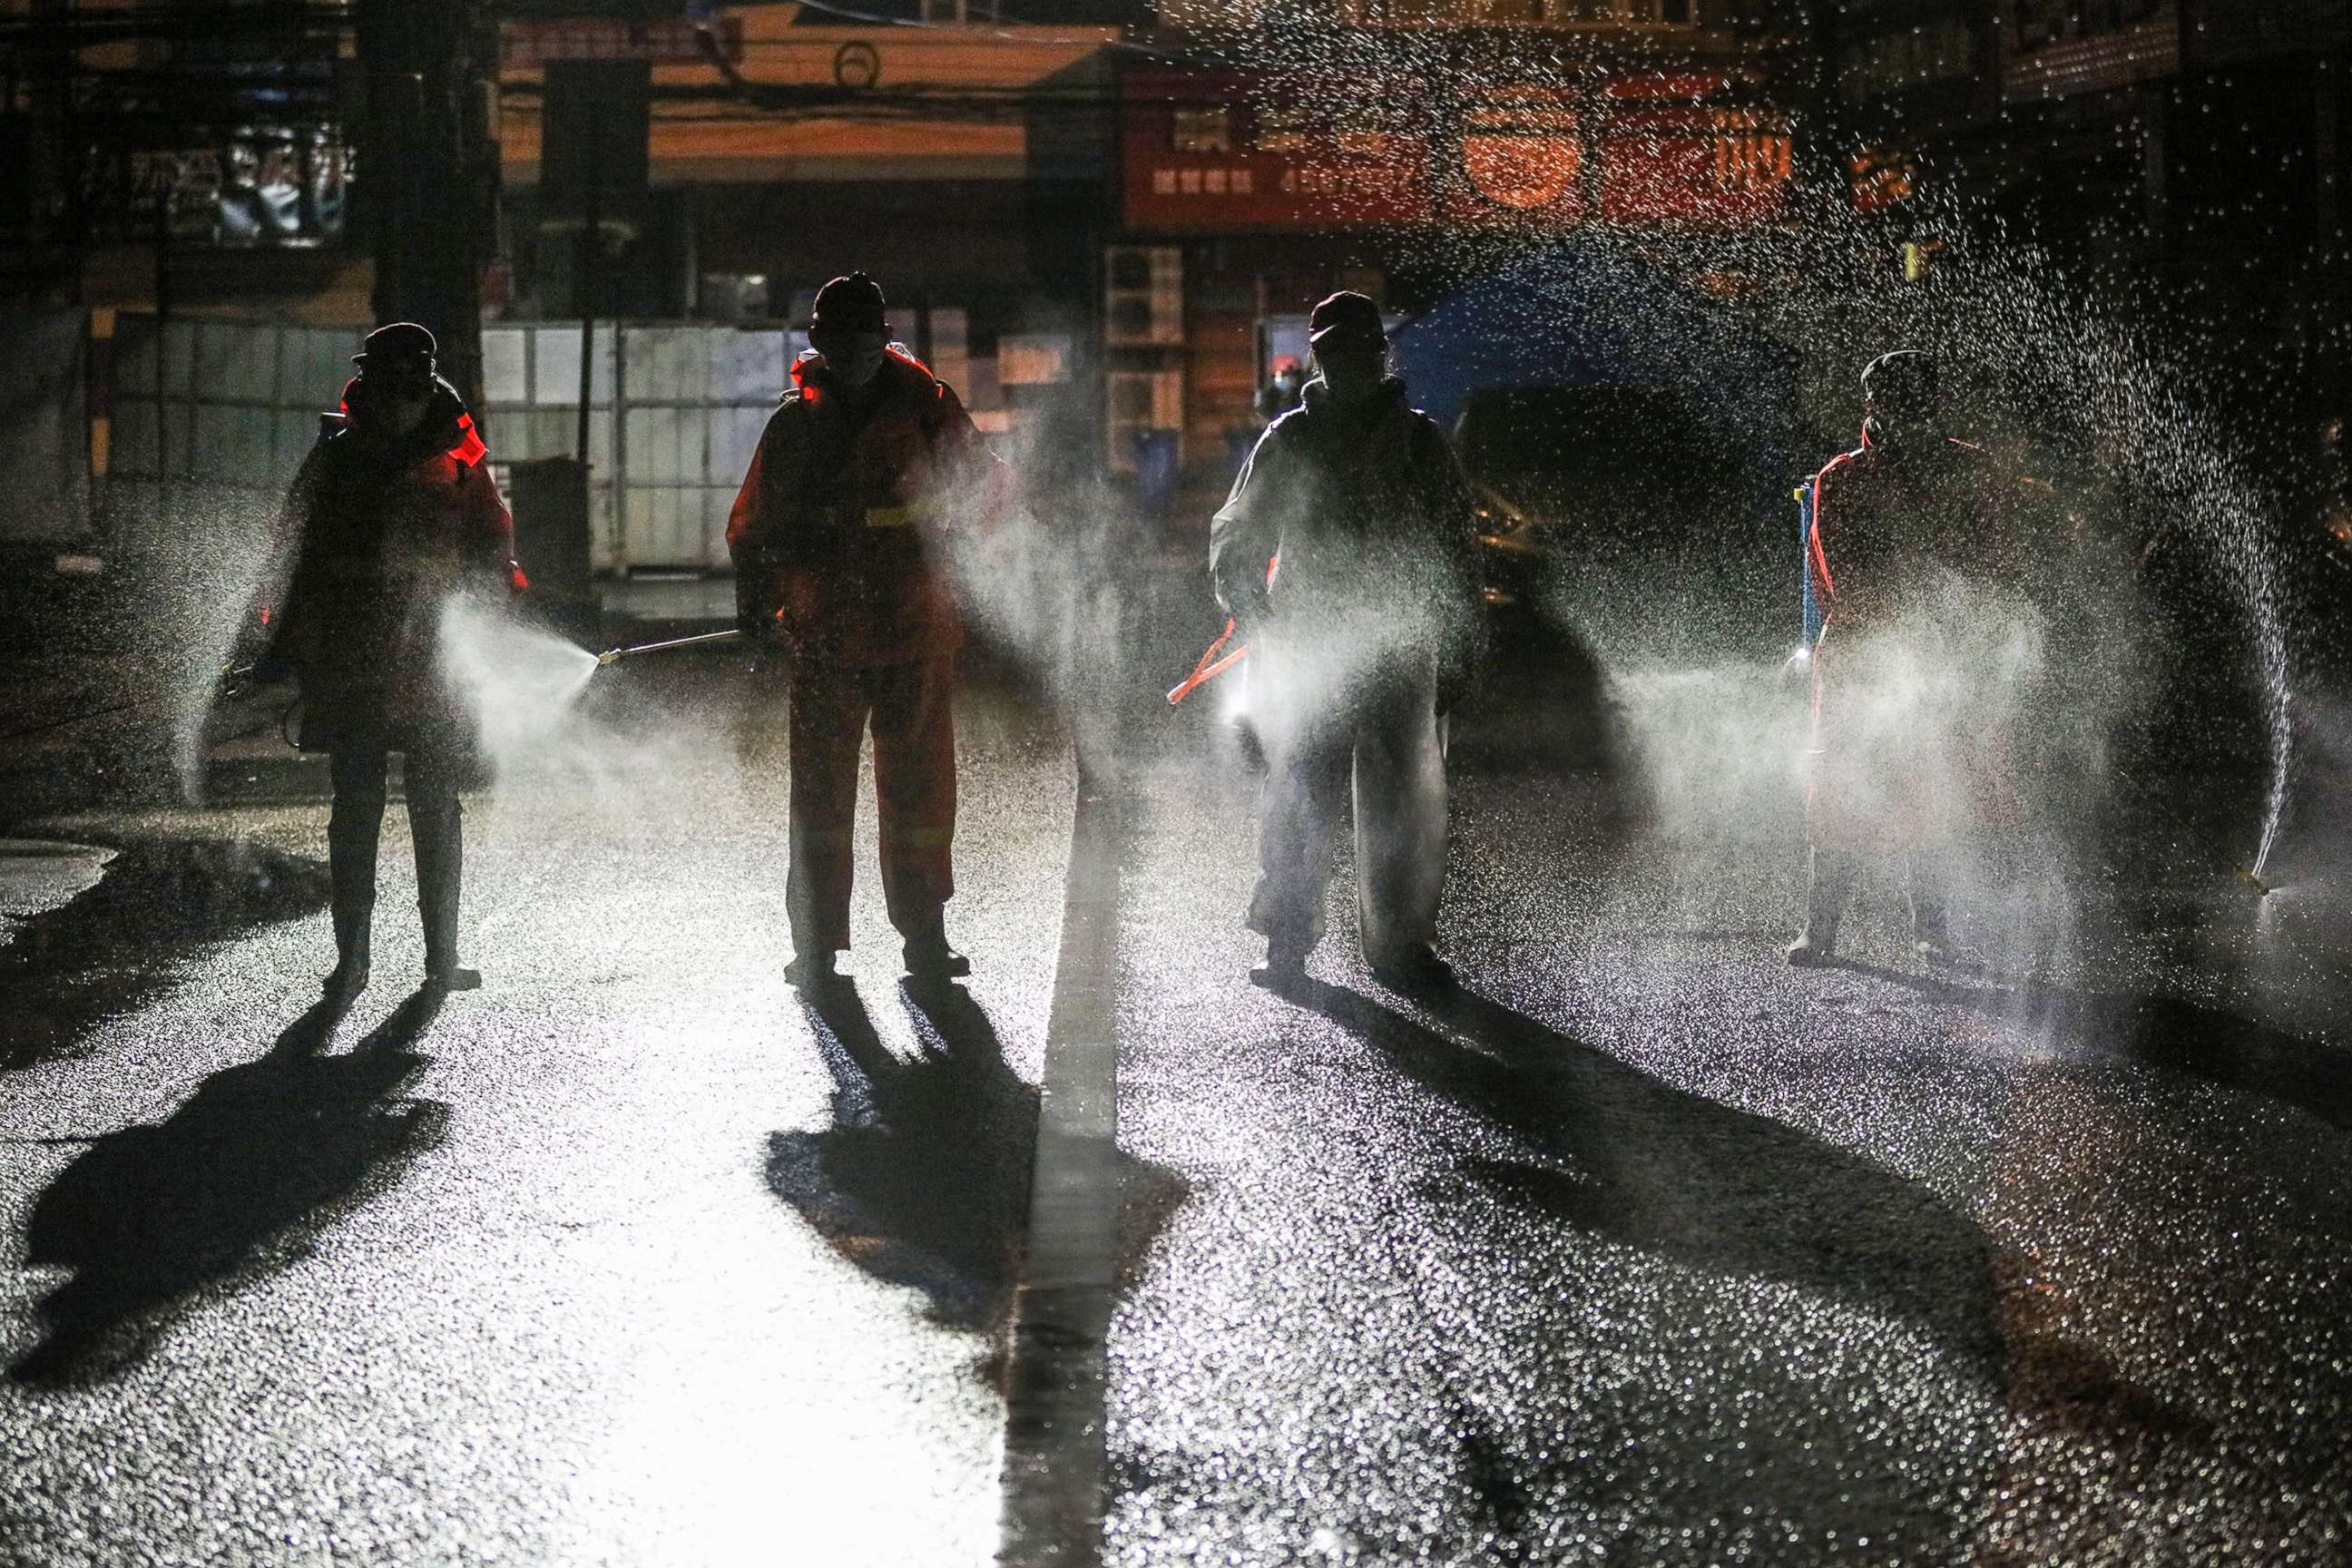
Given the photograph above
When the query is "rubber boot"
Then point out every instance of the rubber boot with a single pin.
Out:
(927, 952)
(1285, 968)
(1829, 885)
(1924, 886)
(1415, 971)
(349, 977)
(440, 878)
(812, 967)
(352, 831)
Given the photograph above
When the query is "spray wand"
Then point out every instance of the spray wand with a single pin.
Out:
(706, 639)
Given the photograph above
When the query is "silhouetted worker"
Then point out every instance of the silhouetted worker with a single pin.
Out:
(1905, 515)
(835, 541)
(1283, 391)
(397, 515)
(1361, 631)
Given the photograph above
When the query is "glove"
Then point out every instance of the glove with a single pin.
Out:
(755, 613)
(1247, 601)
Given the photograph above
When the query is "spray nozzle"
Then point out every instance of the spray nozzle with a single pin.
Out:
(2246, 875)
(614, 655)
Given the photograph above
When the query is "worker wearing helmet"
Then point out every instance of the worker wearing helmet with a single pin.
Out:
(1346, 552)
(837, 537)
(392, 514)
(1907, 755)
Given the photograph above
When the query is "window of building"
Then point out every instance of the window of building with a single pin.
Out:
(1204, 128)
(2039, 22)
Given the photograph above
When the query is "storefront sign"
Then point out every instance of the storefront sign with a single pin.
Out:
(672, 41)
(258, 187)
(1221, 154)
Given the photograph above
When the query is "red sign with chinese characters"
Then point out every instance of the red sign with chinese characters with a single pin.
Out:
(1209, 153)
(1221, 153)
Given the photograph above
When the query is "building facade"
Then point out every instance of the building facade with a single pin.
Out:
(1382, 145)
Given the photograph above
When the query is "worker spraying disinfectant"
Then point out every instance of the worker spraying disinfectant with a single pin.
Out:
(392, 514)
(1910, 757)
(1360, 637)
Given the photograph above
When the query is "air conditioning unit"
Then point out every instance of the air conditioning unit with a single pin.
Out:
(1143, 296)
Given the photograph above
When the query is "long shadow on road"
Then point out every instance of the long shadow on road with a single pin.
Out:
(241, 1179)
(1626, 1156)
(1629, 1157)
(116, 947)
(923, 1177)
(2166, 1033)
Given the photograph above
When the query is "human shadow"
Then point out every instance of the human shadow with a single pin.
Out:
(240, 1180)
(1625, 1156)
(116, 946)
(923, 1177)
(2166, 1033)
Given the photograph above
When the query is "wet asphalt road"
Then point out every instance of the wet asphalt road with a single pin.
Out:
(1644, 1249)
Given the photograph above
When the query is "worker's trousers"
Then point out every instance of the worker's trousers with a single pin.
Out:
(914, 794)
(431, 765)
(1390, 742)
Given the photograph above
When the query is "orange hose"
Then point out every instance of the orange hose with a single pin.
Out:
(1210, 665)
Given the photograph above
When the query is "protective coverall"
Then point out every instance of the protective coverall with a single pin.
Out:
(836, 540)
(1370, 621)
(1907, 756)
(386, 530)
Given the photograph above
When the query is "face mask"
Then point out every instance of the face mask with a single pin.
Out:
(400, 404)
(856, 359)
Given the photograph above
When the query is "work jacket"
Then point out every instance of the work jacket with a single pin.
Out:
(839, 533)
(387, 530)
(1363, 522)
(1910, 551)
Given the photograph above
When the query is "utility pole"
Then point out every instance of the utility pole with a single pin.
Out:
(428, 168)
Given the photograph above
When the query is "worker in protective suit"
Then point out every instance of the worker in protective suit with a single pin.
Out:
(1907, 756)
(392, 515)
(837, 538)
(1345, 553)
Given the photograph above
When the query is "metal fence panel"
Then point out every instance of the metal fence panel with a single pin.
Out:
(238, 402)
(506, 367)
(716, 504)
(238, 364)
(556, 367)
(668, 365)
(734, 437)
(296, 433)
(234, 444)
(749, 367)
(665, 445)
(44, 464)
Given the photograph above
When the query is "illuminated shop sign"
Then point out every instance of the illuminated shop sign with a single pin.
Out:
(1220, 153)
(276, 186)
